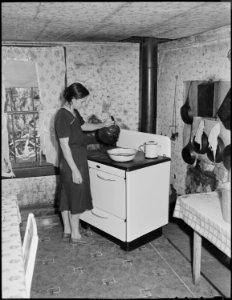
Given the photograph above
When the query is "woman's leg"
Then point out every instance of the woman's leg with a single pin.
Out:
(66, 221)
(75, 221)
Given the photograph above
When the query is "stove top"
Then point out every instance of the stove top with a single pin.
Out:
(138, 162)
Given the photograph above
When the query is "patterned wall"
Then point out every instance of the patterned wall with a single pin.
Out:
(111, 73)
(32, 191)
(198, 58)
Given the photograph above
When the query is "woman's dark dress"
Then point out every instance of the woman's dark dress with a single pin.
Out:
(74, 197)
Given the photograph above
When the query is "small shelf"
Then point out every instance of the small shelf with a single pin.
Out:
(34, 171)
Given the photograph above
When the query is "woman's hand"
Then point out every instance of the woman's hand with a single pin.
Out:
(76, 176)
(108, 122)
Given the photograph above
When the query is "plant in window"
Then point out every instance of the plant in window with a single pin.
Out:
(22, 108)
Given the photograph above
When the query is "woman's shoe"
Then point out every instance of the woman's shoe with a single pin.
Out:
(66, 237)
(81, 242)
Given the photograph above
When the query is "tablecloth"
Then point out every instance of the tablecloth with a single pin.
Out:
(203, 213)
(13, 277)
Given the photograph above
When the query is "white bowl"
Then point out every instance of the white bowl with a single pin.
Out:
(122, 154)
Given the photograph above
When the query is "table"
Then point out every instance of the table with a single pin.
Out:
(202, 212)
(13, 277)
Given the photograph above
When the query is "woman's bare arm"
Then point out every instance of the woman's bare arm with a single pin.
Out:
(91, 127)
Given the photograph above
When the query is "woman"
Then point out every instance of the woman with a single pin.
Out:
(75, 197)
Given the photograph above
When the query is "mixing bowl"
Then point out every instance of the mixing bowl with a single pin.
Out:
(122, 154)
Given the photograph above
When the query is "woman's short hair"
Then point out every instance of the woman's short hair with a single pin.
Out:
(75, 90)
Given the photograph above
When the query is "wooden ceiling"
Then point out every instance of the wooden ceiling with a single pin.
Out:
(109, 21)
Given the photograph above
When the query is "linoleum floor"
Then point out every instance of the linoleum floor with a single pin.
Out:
(103, 270)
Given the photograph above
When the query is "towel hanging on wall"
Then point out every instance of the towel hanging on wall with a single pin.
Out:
(213, 138)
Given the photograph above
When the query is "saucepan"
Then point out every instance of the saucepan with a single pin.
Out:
(186, 111)
(188, 153)
(204, 144)
(219, 151)
(226, 157)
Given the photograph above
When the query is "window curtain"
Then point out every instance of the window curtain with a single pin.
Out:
(50, 69)
(6, 164)
(20, 74)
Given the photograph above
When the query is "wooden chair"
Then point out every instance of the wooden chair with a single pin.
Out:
(30, 245)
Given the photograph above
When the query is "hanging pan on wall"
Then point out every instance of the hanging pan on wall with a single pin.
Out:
(185, 111)
(219, 151)
(226, 157)
(188, 153)
(201, 149)
(224, 111)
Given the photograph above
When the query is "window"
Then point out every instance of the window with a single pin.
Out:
(206, 97)
(22, 108)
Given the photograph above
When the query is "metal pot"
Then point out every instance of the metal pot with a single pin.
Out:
(204, 144)
(108, 135)
(219, 151)
(224, 111)
(226, 157)
(91, 137)
(188, 153)
(185, 111)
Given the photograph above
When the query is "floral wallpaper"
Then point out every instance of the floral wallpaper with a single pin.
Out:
(33, 191)
(111, 73)
(198, 58)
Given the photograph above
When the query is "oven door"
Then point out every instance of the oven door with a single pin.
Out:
(108, 192)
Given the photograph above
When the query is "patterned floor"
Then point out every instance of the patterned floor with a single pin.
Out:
(103, 270)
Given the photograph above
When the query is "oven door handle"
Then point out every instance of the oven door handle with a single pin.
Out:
(106, 179)
(97, 215)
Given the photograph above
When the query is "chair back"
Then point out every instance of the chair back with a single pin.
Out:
(30, 245)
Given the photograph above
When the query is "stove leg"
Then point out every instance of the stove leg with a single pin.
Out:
(128, 246)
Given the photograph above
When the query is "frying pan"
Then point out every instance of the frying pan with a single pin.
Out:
(224, 111)
(204, 144)
(185, 111)
(226, 157)
(188, 153)
(219, 151)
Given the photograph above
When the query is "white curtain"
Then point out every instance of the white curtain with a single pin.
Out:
(6, 164)
(15, 74)
(20, 74)
(50, 75)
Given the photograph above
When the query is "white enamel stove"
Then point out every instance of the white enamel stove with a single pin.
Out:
(130, 199)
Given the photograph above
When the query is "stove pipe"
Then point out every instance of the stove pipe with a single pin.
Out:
(148, 79)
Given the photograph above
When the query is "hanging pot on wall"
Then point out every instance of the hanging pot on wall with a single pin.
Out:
(204, 144)
(226, 157)
(224, 111)
(186, 111)
(188, 153)
(219, 151)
